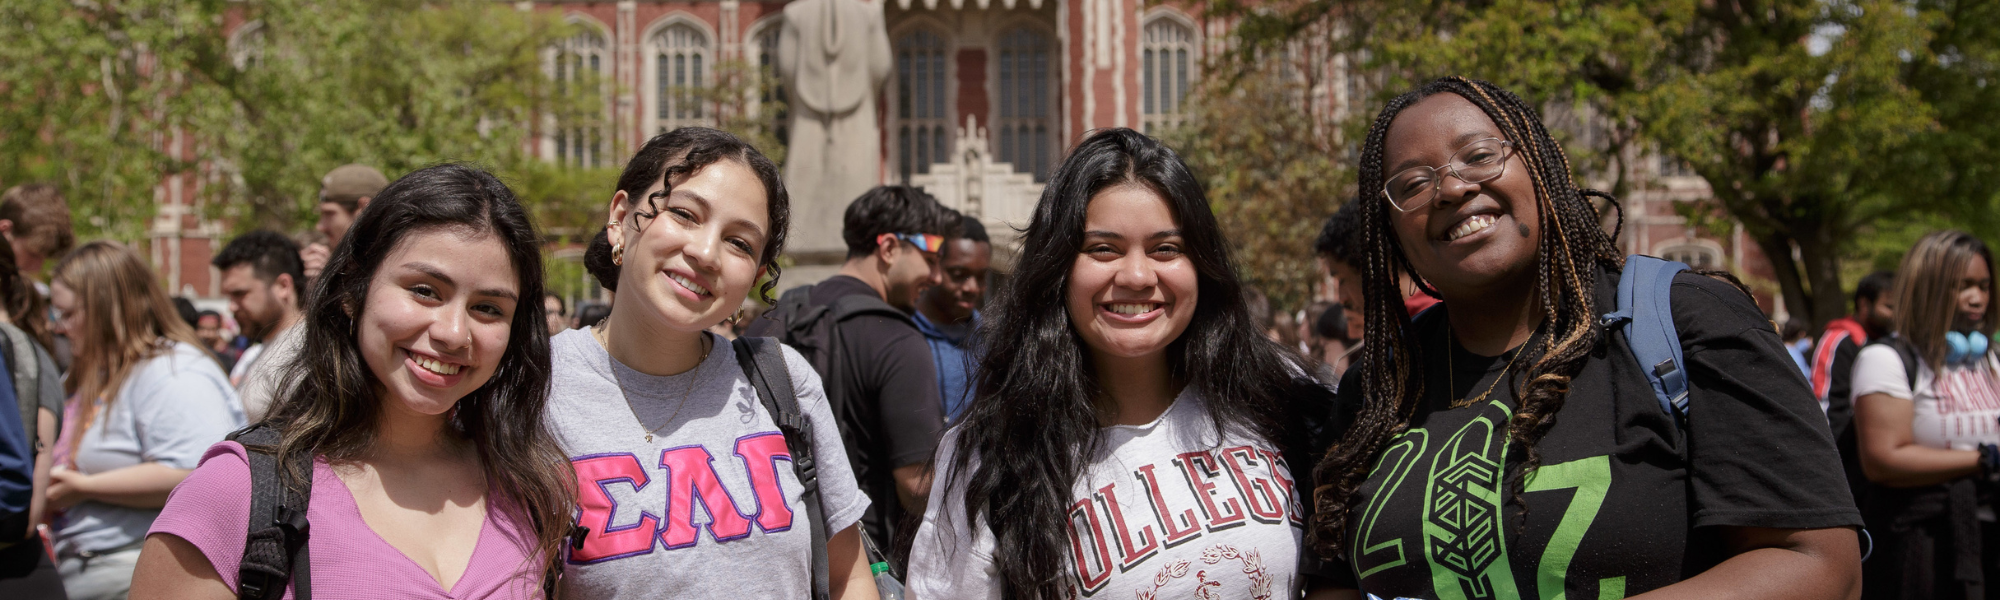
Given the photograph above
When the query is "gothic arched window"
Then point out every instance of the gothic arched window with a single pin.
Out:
(1166, 66)
(680, 59)
(771, 99)
(922, 117)
(1695, 255)
(1026, 125)
(579, 61)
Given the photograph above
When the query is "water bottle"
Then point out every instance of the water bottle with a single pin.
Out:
(885, 583)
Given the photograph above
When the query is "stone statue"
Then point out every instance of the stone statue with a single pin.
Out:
(833, 56)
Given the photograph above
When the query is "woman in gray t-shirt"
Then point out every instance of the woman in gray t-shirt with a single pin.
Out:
(146, 401)
(685, 483)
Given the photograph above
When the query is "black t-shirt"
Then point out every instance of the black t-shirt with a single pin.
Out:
(886, 399)
(1622, 499)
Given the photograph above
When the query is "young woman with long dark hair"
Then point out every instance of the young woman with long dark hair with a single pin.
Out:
(145, 400)
(1505, 444)
(414, 409)
(657, 414)
(1129, 425)
(1925, 403)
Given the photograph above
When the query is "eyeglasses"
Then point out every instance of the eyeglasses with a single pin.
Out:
(1477, 162)
(923, 241)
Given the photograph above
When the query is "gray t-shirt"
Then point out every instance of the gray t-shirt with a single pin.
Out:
(1165, 510)
(170, 410)
(708, 507)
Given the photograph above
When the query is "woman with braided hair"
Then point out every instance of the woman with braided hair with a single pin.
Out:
(1506, 445)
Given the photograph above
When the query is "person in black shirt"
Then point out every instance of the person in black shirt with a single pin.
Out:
(1833, 365)
(1505, 445)
(884, 386)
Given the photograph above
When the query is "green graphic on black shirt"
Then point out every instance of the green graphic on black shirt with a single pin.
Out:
(1464, 537)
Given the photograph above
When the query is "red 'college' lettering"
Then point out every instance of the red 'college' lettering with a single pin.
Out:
(691, 478)
(1226, 487)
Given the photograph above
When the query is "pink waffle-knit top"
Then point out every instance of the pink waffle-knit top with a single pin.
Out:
(212, 507)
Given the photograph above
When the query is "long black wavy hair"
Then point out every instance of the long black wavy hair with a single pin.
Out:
(1033, 423)
(674, 156)
(1574, 248)
(329, 405)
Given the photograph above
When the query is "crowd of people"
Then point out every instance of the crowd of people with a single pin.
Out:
(404, 409)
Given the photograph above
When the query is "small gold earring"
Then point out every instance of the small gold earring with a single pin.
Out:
(618, 254)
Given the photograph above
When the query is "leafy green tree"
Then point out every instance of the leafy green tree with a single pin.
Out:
(1811, 120)
(1273, 172)
(259, 98)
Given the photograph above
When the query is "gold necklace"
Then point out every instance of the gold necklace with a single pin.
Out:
(1451, 370)
(603, 338)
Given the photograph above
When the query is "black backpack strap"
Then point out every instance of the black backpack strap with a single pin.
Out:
(763, 361)
(848, 307)
(274, 547)
(1911, 363)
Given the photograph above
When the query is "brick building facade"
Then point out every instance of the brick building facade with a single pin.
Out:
(982, 100)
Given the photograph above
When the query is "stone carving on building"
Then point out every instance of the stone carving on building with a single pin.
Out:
(833, 56)
(973, 184)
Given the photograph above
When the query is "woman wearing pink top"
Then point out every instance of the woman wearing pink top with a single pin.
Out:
(419, 396)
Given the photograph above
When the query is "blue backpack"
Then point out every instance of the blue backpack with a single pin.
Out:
(1645, 313)
(17, 460)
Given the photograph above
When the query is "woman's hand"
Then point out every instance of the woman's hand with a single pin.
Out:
(66, 488)
(144, 485)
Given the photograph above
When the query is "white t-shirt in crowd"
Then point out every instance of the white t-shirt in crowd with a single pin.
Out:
(243, 364)
(1164, 511)
(266, 371)
(710, 507)
(1957, 411)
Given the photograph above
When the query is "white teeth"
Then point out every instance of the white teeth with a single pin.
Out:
(441, 368)
(1131, 309)
(1471, 226)
(689, 284)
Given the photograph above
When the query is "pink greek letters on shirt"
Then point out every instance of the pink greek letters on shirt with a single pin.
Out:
(689, 474)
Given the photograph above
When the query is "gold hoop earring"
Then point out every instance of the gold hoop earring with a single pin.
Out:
(617, 243)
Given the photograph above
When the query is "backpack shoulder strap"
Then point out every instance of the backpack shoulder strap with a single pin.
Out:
(1908, 353)
(1645, 313)
(797, 316)
(274, 549)
(848, 307)
(763, 362)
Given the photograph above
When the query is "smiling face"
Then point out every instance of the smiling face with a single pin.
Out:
(911, 271)
(691, 265)
(437, 318)
(1132, 289)
(965, 264)
(1473, 236)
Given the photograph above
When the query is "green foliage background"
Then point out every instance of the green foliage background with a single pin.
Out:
(1273, 172)
(1836, 129)
(100, 95)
